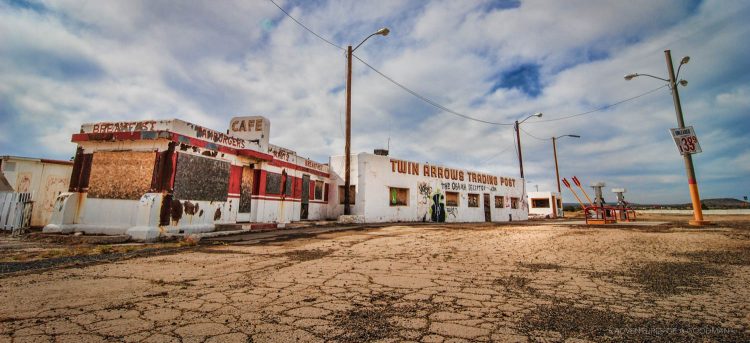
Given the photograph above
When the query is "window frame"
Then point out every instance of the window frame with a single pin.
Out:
(398, 189)
(468, 200)
(458, 199)
(501, 202)
(352, 194)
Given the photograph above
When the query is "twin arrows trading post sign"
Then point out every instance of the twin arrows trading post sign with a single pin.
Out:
(686, 140)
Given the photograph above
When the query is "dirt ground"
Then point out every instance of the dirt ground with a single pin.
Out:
(446, 283)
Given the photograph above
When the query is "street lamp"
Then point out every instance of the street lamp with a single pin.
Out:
(554, 150)
(690, 171)
(518, 139)
(347, 148)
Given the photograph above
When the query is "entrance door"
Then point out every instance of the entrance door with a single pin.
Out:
(487, 213)
(246, 194)
(304, 209)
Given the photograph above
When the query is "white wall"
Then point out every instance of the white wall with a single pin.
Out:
(545, 212)
(44, 180)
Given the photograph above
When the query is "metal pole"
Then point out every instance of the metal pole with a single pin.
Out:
(692, 182)
(520, 155)
(557, 172)
(348, 145)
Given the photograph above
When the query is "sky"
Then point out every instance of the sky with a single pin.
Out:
(68, 62)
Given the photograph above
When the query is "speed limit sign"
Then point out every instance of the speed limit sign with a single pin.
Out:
(686, 140)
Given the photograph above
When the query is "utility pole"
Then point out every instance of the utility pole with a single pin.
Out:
(557, 172)
(520, 155)
(692, 182)
(348, 145)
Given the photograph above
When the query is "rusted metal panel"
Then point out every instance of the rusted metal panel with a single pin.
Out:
(273, 183)
(246, 189)
(201, 178)
(75, 175)
(121, 174)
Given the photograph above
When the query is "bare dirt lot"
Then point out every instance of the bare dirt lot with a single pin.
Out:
(447, 283)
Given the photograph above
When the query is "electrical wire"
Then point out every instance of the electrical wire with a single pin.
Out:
(305, 27)
(532, 136)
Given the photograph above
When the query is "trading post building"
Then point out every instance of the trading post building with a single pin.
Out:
(149, 178)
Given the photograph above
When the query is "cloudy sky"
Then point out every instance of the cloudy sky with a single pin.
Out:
(63, 63)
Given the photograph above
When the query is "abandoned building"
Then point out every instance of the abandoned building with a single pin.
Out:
(148, 178)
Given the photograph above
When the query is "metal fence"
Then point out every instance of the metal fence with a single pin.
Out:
(15, 212)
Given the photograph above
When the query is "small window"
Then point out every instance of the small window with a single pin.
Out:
(514, 203)
(499, 202)
(399, 196)
(318, 190)
(352, 193)
(451, 199)
(473, 200)
(540, 203)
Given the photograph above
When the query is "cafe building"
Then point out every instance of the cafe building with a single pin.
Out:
(387, 189)
(151, 177)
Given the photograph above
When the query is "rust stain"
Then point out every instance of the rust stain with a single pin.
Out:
(200, 214)
(217, 214)
(190, 208)
(176, 210)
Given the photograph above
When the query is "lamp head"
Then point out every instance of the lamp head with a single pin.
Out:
(683, 83)
(685, 60)
(538, 114)
(574, 136)
(383, 32)
(630, 76)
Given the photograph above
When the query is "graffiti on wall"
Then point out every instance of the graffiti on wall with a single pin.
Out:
(52, 188)
(437, 209)
(23, 182)
(452, 211)
(423, 200)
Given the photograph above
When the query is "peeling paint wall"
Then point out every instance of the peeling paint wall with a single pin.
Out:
(121, 174)
(201, 178)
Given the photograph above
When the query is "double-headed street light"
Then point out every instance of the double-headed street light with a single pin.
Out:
(518, 139)
(347, 148)
(690, 171)
(554, 150)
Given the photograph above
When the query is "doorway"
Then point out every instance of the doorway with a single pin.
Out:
(246, 194)
(305, 208)
(487, 213)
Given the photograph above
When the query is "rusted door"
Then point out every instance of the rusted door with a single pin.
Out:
(305, 197)
(487, 213)
(246, 194)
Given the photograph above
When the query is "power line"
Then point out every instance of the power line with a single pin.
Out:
(532, 136)
(598, 109)
(427, 100)
(305, 27)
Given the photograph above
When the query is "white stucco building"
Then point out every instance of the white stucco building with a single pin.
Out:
(545, 205)
(44, 179)
(392, 190)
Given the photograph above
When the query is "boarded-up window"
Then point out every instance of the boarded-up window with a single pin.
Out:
(121, 174)
(273, 183)
(451, 199)
(399, 196)
(288, 187)
(352, 193)
(499, 202)
(201, 178)
(318, 190)
(540, 203)
(513, 202)
(246, 189)
(473, 200)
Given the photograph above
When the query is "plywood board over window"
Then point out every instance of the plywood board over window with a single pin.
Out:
(201, 178)
(499, 202)
(473, 200)
(352, 193)
(451, 199)
(399, 196)
(513, 202)
(318, 190)
(273, 183)
(121, 174)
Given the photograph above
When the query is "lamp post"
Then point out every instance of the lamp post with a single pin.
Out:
(518, 139)
(689, 169)
(347, 147)
(554, 150)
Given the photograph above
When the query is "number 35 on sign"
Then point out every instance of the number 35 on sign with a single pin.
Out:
(686, 140)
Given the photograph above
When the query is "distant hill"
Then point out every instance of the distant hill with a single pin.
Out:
(711, 204)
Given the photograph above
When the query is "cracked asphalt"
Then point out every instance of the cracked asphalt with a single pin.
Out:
(447, 283)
